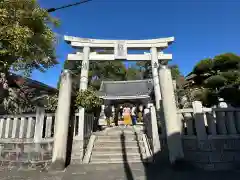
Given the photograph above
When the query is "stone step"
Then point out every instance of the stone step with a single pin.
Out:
(118, 144)
(126, 138)
(106, 149)
(117, 134)
(117, 140)
(115, 161)
(128, 156)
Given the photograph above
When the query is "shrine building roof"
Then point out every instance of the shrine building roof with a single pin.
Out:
(132, 89)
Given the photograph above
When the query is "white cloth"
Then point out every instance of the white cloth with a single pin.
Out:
(133, 111)
(223, 105)
(146, 110)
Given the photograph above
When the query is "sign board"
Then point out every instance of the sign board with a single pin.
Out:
(120, 50)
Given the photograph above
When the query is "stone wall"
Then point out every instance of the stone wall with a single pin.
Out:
(25, 153)
(215, 153)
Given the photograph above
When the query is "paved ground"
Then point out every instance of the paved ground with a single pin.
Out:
(117, 172)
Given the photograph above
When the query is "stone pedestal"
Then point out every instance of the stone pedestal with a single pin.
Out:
(173, 128)
(62, 122)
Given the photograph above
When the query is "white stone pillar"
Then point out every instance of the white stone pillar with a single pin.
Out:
(155, 64)
(154, 128)
(199, 120)
(83, 86)
(173, 128)
(62, 122)
(40, 113)
(85, 68)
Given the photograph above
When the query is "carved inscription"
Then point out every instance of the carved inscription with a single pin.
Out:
(84, 65)
(120, 50)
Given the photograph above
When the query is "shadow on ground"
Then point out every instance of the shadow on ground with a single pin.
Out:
(161, 169)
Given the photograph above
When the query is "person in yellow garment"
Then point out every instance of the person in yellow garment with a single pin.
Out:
(127, 116)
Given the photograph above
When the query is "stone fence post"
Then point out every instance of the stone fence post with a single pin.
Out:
(40, 114)
(199, 120)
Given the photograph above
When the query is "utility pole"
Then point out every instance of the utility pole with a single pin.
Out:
(66, 6)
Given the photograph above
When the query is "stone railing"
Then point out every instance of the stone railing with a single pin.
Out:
(77, 152)
(26, 139)
(202, 122)
(151, 129)
(148, 128)
(211, 136)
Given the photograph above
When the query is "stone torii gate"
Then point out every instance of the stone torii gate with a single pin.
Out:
(87, 50)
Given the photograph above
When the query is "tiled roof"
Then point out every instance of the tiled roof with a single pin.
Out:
(126, 88)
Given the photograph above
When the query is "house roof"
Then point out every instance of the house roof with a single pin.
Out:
(133, 89)
(28, 85)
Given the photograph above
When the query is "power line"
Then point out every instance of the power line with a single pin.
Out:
(66, 6)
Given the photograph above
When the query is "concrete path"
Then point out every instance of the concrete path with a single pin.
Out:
(116, 172)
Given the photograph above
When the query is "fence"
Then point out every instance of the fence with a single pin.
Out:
(80, 143)
(147, 120)
(88, 126)
(211, 137)
(39, 125)
(28, 138)
(27, 126)
(201, 122)
(151, 130)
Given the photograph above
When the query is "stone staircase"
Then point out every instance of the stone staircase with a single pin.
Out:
(118, 145)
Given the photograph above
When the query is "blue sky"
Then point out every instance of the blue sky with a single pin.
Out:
(202, 28)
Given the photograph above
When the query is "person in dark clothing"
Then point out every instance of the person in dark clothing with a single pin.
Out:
(108, 114)
(121, 112)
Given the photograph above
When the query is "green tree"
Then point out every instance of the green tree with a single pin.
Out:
(102, 71)
(88, 99)
(146, 69)
(216, 77)
(27, 43)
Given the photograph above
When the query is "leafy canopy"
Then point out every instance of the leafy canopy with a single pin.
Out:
(26, 38)
(217, 77)
(27, 42)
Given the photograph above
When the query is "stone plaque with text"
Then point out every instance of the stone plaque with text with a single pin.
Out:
(120, 50)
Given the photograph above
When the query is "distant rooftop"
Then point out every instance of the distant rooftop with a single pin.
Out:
(29, 85)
